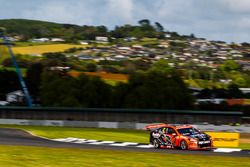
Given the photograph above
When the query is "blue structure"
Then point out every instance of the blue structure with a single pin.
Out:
(22, 82)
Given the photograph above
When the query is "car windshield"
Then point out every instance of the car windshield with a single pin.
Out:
(188, 131)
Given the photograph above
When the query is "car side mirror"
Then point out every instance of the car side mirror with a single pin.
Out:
(174, 134)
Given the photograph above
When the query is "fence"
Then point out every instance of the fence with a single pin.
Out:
(120, 115)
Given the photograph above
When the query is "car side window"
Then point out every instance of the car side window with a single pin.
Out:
(170, 131)
(162, 130)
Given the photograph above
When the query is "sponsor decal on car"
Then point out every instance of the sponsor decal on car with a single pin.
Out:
(204, 142)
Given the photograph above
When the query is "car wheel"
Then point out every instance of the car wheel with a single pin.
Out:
(156, 143)
(184, 145)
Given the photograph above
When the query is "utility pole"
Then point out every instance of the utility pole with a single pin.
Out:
(19, 74)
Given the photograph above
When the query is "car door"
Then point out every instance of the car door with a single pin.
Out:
(172, 134)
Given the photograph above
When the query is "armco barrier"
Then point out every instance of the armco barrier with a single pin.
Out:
(125, 125)
(120, 115)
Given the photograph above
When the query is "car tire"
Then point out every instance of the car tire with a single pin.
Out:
(183, 145)
(156, 144)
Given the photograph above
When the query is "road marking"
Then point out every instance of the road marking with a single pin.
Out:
(130, 144)
(124, 144)
(90, 141)
(61, 140)
(102, 142)
(145, 146)
(227, 150)
(69, 139)
(81, 141)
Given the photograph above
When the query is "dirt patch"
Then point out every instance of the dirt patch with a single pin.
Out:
(245, 135)
(245, 138)
(103, 75)
(245, 141)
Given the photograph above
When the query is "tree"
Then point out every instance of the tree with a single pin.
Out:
(91, 67)
(102, 30)
(229, 65)
(8, 82)
(33, 78)
(161, 66)
(147, 29)
(54, 59)
(129, 67)
(153, 90)
(144, 22)
(159, 27)
(123, 31)
(21, 63)
(234, 91)
(192, 36)
(240, 81)
(93, 92)
(66, 91)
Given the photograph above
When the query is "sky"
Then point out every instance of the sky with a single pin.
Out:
(226, 20)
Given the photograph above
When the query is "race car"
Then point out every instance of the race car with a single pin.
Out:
(184, 137)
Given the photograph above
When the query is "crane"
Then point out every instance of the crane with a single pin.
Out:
(8, 44)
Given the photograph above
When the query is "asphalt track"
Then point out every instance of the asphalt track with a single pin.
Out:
(23, 138)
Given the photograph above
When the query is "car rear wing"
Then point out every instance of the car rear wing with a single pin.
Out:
(155, 126)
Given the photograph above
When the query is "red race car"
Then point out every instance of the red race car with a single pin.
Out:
(184, 137)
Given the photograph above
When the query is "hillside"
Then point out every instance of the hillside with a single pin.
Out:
(34, 28)
(130, 48)
(28, 29)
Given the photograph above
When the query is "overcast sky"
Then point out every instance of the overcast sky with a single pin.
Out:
(227, 20)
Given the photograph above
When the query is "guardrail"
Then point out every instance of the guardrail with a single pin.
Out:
(120, 125)
(120, 115)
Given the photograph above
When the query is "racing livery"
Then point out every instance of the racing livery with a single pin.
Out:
(183, 137)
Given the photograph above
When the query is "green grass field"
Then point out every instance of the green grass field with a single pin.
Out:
(25, 156)
(122, 135)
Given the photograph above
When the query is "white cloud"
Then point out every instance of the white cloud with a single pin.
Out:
(77, 13)
(54, 13)
(238, 5)
(121, 8)
(212, 19)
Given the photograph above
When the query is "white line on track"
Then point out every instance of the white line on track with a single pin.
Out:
(145, 146)
(124, 144)
(227, 150)
(91, 141)
(131, 144)
(102, 142)
(69, 139)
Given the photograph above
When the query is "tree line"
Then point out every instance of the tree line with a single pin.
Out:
(149, 89)
(58, 89)
(28, 29)
(156, 88)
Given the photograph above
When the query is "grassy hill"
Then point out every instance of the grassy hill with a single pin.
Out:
(34, 28)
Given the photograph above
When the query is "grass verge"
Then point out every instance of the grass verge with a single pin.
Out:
(15, 156)
(122, 135)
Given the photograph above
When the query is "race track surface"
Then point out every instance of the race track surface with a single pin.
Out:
(23, 138)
